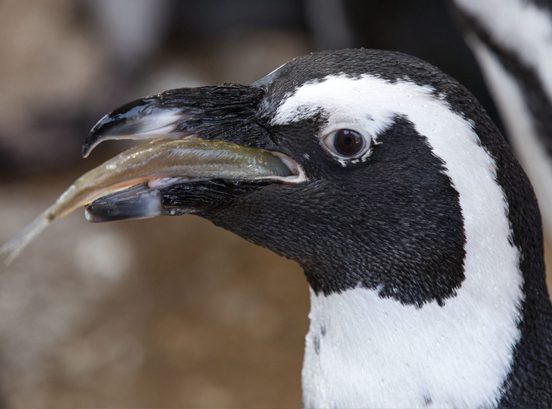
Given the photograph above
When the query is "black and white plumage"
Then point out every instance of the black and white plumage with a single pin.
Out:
(511, 40)
(418, 231)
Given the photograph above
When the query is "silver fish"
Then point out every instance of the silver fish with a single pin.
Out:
(163, 159)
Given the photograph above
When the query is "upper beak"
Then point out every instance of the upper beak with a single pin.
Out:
(232, 149)
(208, 111)
(141, 119)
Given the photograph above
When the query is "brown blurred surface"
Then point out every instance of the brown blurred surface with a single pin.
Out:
(171, 312)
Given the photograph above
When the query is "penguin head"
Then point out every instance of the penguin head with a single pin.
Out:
(393, 156)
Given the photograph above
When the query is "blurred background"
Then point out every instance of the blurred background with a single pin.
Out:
(169, 312)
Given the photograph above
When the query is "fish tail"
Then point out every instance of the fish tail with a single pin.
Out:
(12, 248)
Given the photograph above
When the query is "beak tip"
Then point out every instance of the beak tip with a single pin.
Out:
(85, 150)
(96, 135)
(144, 118)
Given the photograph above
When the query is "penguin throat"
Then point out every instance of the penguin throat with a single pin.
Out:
(366, 351)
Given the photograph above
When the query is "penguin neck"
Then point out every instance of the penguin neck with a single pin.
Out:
(366, 351)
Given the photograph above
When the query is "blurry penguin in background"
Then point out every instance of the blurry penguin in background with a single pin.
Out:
(512, 40)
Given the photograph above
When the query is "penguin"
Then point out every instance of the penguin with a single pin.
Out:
(418, 232)
(511, 42)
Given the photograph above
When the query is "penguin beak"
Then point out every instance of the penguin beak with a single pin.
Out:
(224, 119)
(213, 112)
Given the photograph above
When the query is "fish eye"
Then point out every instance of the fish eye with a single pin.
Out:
(346, 143)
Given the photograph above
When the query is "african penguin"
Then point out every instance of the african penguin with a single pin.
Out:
(418, 232)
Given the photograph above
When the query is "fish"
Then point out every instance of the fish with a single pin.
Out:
(157, 163)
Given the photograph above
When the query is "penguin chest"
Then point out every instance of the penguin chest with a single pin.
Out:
(365, 351)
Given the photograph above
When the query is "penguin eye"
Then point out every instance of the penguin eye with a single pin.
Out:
(346, 143)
